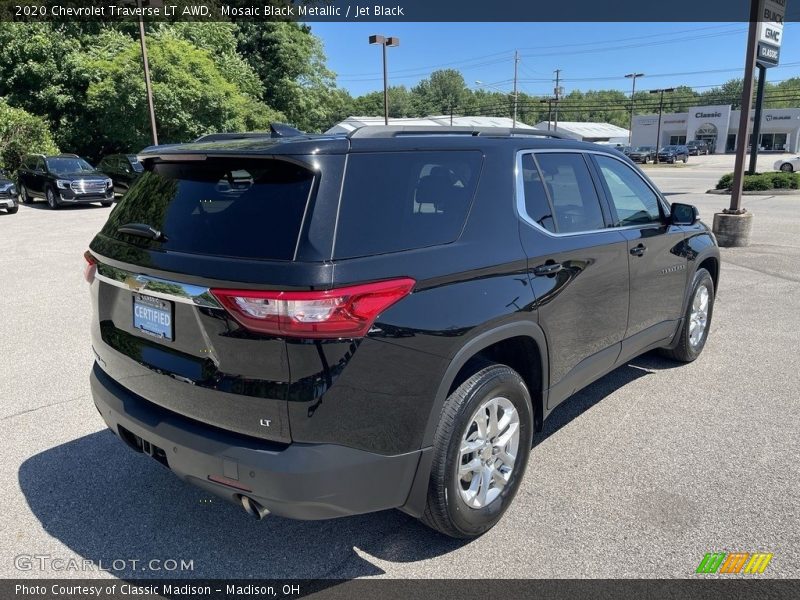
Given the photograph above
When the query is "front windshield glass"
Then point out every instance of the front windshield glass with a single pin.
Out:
(62, 166)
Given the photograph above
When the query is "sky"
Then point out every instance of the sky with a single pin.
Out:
(590, 55)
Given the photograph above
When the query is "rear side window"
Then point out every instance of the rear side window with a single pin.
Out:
(537, 206)
(222, 207)
(393, 201)
(569, 184)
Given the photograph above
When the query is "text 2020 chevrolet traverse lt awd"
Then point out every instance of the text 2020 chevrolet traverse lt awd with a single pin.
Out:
(324, 326)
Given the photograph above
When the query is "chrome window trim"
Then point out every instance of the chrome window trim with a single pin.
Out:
(520, 193)
(195, 295)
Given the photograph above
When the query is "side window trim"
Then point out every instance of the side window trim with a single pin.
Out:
(610, 202)
(590, 166)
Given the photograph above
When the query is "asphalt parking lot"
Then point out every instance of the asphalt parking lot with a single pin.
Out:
(639, 475)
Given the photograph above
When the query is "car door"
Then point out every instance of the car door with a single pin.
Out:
(38, 177)
(656, 254)
(577, 267)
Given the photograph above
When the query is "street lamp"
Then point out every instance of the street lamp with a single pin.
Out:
(660, 110)
(385, 42)
(549, 102)
(513, 94)
(632, 76)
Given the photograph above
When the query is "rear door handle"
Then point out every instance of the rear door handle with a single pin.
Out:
(639, 250)
(549, 269)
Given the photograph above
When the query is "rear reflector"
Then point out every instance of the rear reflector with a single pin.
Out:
(91, 267)
(343, 312)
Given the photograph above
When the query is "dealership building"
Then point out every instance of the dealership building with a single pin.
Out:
(719, 126)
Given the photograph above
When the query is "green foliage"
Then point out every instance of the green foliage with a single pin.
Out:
(777, 180)
(192, 97)
(22, 133)
(443, 92)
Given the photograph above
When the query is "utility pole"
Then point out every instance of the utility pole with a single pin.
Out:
(549, 111)
(660, 112)
(147, 84)
(557, 97)
(633, 76)
(516, 95)
(762, 78)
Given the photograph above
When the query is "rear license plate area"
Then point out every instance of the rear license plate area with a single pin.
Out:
(153, 316)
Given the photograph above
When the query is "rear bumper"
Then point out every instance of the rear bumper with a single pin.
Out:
(299, 481)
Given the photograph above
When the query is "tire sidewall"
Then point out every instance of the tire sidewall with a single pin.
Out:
(505, 383)
(51, 194)
(701, 277)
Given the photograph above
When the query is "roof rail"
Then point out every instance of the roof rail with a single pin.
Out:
(389, 131)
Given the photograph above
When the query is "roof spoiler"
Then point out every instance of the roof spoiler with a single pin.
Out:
(390, 131)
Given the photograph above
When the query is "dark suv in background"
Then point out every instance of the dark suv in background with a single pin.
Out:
(698, 147)
(123, 169)
(673, 154)
(643, 154)
(320, 326)
(8, 193)
(61, 180)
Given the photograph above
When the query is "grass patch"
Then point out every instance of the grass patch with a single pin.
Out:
(762, 182)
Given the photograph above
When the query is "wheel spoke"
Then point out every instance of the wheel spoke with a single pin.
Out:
(492, 429)
(509, 433)
(470, 447)
(472, 466)
(486, 479)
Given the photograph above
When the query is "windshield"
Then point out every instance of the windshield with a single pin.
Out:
(61, 166)
(644, 149)
(668, 148)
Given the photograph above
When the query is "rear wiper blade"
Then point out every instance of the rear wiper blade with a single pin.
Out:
(143, 230)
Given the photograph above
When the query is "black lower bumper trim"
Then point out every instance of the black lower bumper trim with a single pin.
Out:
(300, 481)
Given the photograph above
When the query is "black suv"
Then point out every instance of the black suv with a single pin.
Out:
(673, 154)
(63, 179)
(643, 154)
(123, 169)
(8, 193)
(321, 326)
(698, 147)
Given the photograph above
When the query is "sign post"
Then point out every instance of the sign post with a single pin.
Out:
(770, 37)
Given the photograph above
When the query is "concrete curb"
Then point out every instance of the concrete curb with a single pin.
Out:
(780, 192)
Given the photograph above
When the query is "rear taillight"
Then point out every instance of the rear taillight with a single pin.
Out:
(343, 312)
(91, 267)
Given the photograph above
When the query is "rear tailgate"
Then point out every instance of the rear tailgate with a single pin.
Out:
(157, 328)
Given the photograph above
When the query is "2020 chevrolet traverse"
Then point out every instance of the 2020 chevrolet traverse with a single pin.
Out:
(320, 326)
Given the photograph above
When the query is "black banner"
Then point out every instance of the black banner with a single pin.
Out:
(382, 10)
(393, 589)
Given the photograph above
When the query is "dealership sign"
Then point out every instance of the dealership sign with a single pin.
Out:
(770, 31)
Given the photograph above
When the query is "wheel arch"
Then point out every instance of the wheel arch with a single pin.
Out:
(487, 345)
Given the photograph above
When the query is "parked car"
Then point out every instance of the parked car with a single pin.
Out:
(698, 147)
(643, 154)
(123, 169)
(788, 165)
(673, 154)
(61, 180)
(8, 193)
(316, 341)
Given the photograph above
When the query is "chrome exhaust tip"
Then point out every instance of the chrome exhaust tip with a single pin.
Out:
(253, 508)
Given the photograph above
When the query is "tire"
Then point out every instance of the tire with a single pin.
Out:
(688, 348)
(12, 209)
(685, 159)
(23, 194)
(106, 204)
(52, 201)
(787, 167)
(448, 510)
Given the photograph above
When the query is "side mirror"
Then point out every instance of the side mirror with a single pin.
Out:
(684, 214)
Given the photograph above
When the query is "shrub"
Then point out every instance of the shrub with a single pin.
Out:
(760, 182)
(22, 133)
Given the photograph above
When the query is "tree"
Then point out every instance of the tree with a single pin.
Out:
(444, 91)
(192, 97)
(371, 104)
(22, 133)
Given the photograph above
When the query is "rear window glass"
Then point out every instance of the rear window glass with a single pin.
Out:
(393, 201)
(223, 207)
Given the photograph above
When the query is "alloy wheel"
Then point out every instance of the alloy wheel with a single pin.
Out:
(698, 320)
(488, 452)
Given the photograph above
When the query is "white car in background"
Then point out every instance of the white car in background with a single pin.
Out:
(788, 164)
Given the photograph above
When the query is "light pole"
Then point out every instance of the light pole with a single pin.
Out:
(385, 42)
(632, 76)
(549, 102)
(660, 110)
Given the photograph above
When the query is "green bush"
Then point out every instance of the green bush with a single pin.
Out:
(760, 182)
(21, 133)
